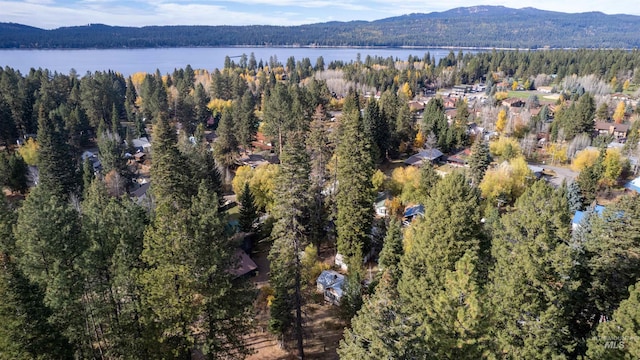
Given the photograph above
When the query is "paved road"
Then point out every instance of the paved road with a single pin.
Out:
(562, 173)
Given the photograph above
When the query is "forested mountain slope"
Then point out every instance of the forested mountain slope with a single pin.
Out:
(478, 26)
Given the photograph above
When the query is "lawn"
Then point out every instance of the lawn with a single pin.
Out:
(524, 95)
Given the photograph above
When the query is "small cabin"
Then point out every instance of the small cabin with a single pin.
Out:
(330, 284)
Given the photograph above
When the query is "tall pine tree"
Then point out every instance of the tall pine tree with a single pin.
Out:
(355, 191)
(532, 280)
(290, 235)
(438, 287)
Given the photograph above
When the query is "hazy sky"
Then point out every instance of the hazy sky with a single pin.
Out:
(55, 13)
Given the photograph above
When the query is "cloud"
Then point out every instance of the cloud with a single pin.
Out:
(57, 13)
(114, 13)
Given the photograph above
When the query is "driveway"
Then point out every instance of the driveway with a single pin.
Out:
(561, 173)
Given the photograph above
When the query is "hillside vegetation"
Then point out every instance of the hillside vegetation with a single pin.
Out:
(479, 26)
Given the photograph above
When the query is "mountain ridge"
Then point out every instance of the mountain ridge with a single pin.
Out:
(476, 26)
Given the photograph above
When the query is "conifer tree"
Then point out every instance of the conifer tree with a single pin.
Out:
(434, 121)
(380, 330)
(55, 165)
(223, 303)
(588, 181)
(248, 209)
(355, 192)
(245, 120)
(459, 126)
(225, 148)
(168, 176)
(201, 99)
(49, 244)
(392, 250)
(278, 114)
(573, 197)
(114, 230)
(289, 235)
(110, 152)
(202, 166)
(319, 149)
(618, 338)
(479, 161)
(25, 332)
(612, 247)
(585, 113)
(531, 281)
(13, 172)
(130, 100)
(371, 120)
(433, 272)
(404, 124)
(428, 179)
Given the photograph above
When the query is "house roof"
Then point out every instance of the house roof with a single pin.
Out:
(513, 102)
(245, 264)
(416, 106)
(142, 142)
(87, 154)
(141, 191)
(603, 125)
(579, 215)
(414, 210)
(381, 199)
(330, 279)
(460, 157)
(429, 155)
(633, 185)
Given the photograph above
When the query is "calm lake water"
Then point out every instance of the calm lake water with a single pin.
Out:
(129, 61)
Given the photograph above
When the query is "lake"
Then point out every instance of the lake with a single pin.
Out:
(129, 61)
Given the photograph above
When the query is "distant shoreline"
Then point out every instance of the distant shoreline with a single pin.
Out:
(390, 47)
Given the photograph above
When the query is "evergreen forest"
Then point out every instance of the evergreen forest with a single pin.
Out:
(495, 266)
(478, 26)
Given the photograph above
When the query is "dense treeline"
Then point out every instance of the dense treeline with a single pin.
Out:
(481, 26)
(88, 273)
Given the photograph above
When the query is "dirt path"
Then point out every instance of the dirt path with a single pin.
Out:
(323, 333)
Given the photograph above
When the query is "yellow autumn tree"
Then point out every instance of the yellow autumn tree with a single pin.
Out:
(418, 143)
(138, 78)
(506, 147)
(626, 84)
(618, 115)
(29, 152)
(378, 180)
(614, 82)
(243, 176)
(218, 105)
(506, 181)
(496, 183)
(557, 152)
(502, 121)
(405, 182)
(406, 91)
(336, 104)
(614, 163)
(394, 207)
(584, 158)
(501, 95)
(261, 182)
(514, 86)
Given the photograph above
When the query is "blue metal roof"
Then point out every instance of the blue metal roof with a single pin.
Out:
(633, 185)
(414, 210)
(579, 215)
